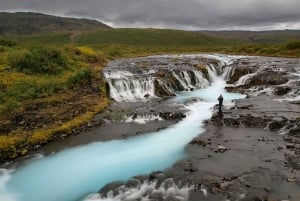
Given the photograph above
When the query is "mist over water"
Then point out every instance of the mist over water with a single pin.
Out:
(72, 174)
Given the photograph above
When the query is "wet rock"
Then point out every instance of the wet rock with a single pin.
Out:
(293, 161)
(198, 141)
(268, 78)
(277, 123)
(172, 115)
(290, 145)
(157, 175)
(110, 187)
(193, 100)
(224, 185)
(133, 183)
(282, 90)
(222, 149)
(291, 180)
(190, 168)
(246, 106)
(295, 131)
(233, 121)
(239, 72)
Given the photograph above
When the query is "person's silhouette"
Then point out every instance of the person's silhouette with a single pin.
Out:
(220, 99)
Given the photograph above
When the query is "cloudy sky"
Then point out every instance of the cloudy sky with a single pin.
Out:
(178, 14)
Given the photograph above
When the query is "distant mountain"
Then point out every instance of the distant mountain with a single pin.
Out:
(33, 23)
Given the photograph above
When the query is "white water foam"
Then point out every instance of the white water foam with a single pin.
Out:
(5, 195)
(243, 80)
(146, 191)
(143, 119)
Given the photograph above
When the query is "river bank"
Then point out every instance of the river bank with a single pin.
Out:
(242, 156)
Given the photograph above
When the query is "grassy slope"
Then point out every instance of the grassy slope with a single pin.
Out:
(156, 40)
(31, 23)
(79, 97)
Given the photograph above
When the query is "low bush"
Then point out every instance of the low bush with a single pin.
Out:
(293, 45)
(82, 76)
(7, 43)
(38, 61)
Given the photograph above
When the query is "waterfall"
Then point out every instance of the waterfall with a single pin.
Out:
(243, 80)
(191, 79)
(166, 86)
(212, 72)
(228, 72)
(201, 82)
(131, 89)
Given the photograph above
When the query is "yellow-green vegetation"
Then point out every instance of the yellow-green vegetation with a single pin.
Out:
(287, 49)
(45, 92)
(51, 83)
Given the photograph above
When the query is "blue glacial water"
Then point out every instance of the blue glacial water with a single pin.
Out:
(72, 174)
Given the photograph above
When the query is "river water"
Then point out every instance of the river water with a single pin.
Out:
(72, 174)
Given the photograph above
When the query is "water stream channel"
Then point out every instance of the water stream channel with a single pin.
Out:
(72, 174)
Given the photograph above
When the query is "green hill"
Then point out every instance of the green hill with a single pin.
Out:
(33, 23)
(153, 37)
(269, 37)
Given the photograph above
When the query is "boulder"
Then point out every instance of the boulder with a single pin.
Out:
(198, 142)
(238, 73)
(282, 90)
(222, 148)
(268, 78)
(172, 115)
(192, 100)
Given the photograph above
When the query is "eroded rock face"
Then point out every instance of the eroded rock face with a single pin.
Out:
(268, 78)
(282, 90)
(172, 115)
(238, 73)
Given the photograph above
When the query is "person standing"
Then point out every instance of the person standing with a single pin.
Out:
(220, 99)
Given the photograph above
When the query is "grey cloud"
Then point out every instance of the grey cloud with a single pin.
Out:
(196, 14)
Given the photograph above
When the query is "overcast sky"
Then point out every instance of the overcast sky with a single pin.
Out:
(178, 14)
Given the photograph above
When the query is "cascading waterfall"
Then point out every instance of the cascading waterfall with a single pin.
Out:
(125, 86)
(72, 174)
(131, 89)
(228, 72)
(243, 80)
(185, 78)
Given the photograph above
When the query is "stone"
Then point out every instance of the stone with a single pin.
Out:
(291, 180)
(224, 185)
(290, 145)
(198, 142)
(222, 148)
(268, 78)
(281, 90)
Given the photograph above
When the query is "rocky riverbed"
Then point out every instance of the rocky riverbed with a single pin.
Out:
(252, 152)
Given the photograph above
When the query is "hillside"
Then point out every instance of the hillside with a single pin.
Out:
(270, 37)
(33, 23)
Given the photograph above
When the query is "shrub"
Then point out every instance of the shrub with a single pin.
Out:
(38, 61)
(82, 76)
(7, 43)
(293, 45)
